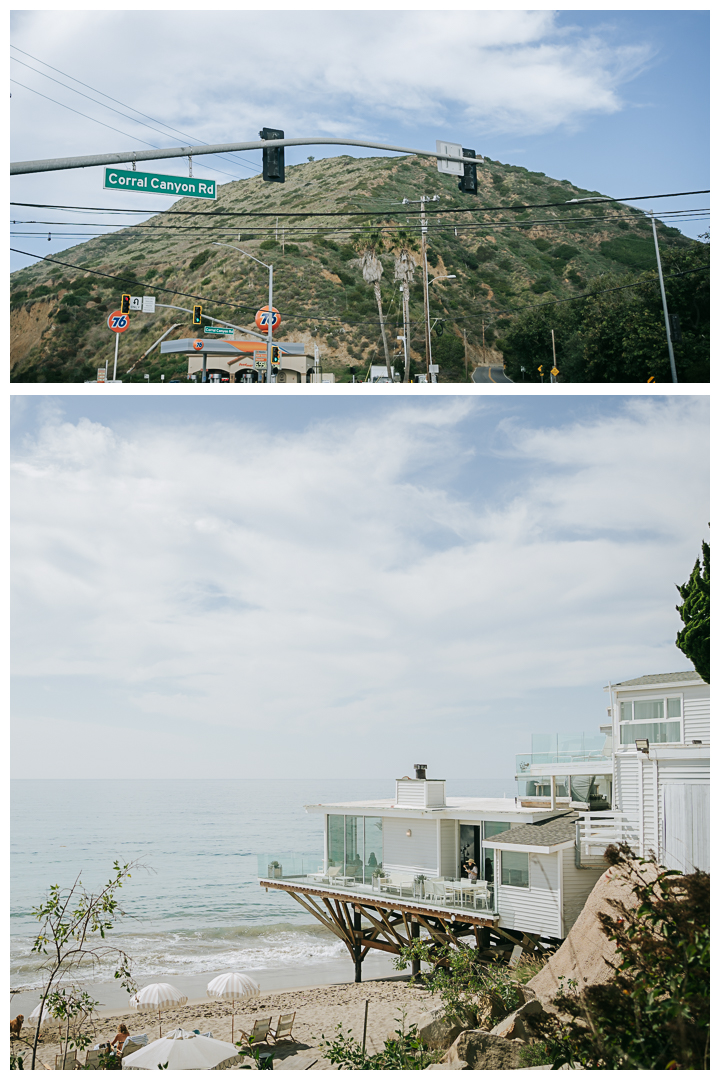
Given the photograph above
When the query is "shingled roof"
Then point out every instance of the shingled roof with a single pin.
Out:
(652, 680)
(557, 829)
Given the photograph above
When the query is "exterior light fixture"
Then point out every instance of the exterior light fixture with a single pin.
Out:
(643, 745)
(409, 832)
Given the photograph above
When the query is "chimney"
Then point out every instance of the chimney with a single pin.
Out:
(420, 793)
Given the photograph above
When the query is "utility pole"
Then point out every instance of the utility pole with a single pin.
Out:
(552, 377)
(484, 357)
(270, 328)
(465, 344)
(426, 291)
(664, 301)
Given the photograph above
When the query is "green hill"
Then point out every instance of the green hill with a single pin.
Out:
(504, 260)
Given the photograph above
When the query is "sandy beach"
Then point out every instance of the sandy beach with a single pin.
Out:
(318, 1010)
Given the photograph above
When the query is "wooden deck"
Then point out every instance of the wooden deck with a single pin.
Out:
(392, 924)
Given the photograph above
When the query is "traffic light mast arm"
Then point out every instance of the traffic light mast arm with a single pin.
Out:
(58, 164)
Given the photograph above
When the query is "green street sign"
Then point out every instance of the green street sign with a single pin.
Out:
(218, 330)
(157, 183)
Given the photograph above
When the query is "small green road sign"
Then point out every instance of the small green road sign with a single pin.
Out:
(183, 186)
(218, 330)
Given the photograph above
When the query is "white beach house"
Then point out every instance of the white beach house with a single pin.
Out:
(390, 867)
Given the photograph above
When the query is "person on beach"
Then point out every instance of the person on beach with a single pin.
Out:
(470, 868)
(122, 1035)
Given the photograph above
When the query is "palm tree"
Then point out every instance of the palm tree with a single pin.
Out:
(403, 243)
(368, 247)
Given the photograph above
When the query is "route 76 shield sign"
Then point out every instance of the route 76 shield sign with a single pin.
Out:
(118, 323)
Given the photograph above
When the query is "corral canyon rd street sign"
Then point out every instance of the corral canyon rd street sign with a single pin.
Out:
(187, 186)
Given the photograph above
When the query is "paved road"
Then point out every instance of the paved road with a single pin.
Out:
(490, 374)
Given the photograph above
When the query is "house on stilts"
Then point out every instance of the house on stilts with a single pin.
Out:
(395, 869)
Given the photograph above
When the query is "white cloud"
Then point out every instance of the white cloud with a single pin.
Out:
(334, 590)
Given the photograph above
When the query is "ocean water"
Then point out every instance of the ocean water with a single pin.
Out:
(194, 908)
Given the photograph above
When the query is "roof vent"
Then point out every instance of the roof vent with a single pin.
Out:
(420, 771)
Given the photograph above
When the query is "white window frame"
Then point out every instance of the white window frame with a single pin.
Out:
(665, 720)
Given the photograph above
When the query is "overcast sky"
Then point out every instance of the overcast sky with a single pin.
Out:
(340, 587)
(615, 101)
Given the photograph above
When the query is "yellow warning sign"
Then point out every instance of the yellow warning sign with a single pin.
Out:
(555, 372)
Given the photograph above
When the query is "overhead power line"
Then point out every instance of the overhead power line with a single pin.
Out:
(166, 127)
(348, 213)
(310, 317)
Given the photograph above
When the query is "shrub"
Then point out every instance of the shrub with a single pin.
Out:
(198, 260)
(543, 284)
(634, 251)
(655, 1014)
(564, 252)
(268, 245)
(541, 244)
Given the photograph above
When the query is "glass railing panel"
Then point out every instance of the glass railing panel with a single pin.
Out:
(289, 865)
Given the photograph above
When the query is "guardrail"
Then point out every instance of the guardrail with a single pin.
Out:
(595, 829)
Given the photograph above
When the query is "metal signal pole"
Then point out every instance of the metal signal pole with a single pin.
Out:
(664, 301)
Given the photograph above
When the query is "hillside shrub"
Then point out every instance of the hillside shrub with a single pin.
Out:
(542, 244)
(268, 245)
(655, 1013)
(631, 251)
(199, 260)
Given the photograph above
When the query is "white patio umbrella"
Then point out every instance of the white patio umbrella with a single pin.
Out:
(46, 1018)
(157, 996)
(182, 1050)
(231, 987)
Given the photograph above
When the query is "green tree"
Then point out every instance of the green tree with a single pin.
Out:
(694, 638)
(73, 925)
(618, 333)
(407, 1051)
(655, 1013)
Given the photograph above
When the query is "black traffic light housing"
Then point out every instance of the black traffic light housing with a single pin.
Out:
(275, 355)
(468, 182)
(675, 331)
(273, 157)
(125, 303)
(197, 314)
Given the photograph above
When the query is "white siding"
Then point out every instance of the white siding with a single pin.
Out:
(577, 886)
(696, 713)
(449, 845)
(410, 793)
(686, 827)
(536, 909)
(627, 794)
(649, 830)
(416, 853)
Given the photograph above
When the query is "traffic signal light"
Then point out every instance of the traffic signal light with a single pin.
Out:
(468, 182)
(273, 157)
(125, 303)
(197, 315)
(275, 356)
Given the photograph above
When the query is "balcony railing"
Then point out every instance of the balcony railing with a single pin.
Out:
(596, 829)
(432, 892)
(524, 762)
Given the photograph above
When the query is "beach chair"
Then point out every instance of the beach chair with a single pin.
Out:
(92, 1059)
(283, 1028)
(259, 1031)
(66, 1061)
(133, 1043)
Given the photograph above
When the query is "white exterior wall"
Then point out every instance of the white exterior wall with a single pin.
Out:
(696, 713)
(536, 909)
(627, 783)
(410, 793)
(577, 886)
(405, 854)
(650, 818)
(449, 848)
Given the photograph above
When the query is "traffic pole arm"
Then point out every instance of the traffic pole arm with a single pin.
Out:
(59, 164)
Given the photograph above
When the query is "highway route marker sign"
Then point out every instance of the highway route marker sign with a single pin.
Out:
(159, 184)
(118, 323)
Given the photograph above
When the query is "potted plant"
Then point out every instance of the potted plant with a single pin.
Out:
(274, 869)
(419, 885)
(377, 878)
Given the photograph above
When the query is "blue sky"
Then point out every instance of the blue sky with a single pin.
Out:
(331, 587)
(615, 101)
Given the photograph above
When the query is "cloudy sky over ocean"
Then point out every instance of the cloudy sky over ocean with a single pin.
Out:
(340, 587)
(615, 101)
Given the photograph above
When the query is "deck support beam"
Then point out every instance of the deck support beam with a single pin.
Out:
(357, 927)
(414, 934)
